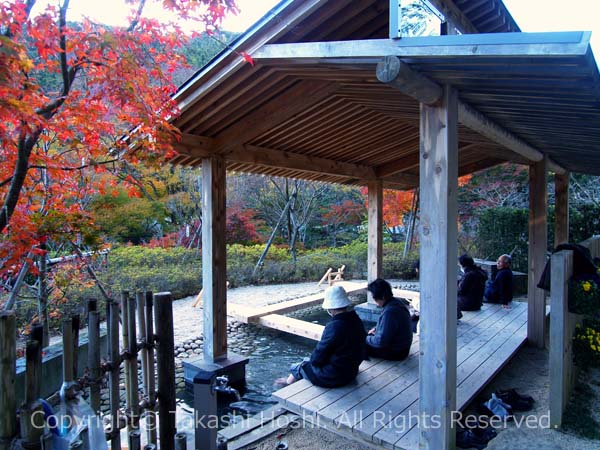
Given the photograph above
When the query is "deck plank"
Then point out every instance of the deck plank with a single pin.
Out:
(484, 356)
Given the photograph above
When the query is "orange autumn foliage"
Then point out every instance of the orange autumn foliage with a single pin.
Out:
(69, 93)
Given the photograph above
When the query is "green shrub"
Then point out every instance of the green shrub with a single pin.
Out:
(132, 268)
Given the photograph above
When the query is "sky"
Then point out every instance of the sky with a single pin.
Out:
(530, 15)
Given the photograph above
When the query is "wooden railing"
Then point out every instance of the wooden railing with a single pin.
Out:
(563, 373)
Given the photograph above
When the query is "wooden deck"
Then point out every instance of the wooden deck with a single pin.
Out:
(248, 314)
(381, 406)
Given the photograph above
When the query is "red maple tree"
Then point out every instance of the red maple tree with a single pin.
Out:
(69, 93)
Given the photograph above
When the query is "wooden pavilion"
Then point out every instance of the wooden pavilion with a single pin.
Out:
(335, 95)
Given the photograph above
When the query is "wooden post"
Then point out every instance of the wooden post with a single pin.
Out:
(375, 236)
(165, 353)
(538, 241)
(561, 208)
(113, 380)
(151, 369)
(75, 324)
(133, 393)
(135, 440)
(562, 325)
(31, 416)
(214, 263)
(67, 330)
(8, 369)
(438, 234)
(94, 354)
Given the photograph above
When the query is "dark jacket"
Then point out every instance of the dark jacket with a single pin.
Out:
(334, 361)
(500, 290)
(393, 332)
(470, 288)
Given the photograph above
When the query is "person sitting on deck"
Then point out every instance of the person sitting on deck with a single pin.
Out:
(471, 285)
(334, 361)
(392, 337)
(500, 289)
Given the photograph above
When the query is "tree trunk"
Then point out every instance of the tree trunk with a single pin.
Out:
(18, 180)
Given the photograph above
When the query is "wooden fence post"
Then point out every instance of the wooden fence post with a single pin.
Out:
(134, 401)
(8, 358)
(165, 352)
(151, 370)
(95, 371)
(115, 360)
(31, 416)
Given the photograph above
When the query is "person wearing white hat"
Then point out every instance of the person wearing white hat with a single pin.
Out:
(334, 361)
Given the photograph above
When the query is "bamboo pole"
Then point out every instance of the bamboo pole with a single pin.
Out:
(115, 360)
(133, 393)
(8, 357)
(95, 371)
(165, 354)
(141, 319)
(151, 370)
(125, 346)
(180, 441)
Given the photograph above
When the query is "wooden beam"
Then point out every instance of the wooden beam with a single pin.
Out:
(478, 122)
(561, 209)
(538, 241)
(515, 45)
(290, 325)
(438, 235)
(214, 259)
(396, 73)
(399, 75)
(375, 233)
(405, 179)
(274, 158)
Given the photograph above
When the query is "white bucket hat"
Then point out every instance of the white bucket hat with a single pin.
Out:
(336, 298)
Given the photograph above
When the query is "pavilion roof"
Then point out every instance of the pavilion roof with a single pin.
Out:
(312, 107)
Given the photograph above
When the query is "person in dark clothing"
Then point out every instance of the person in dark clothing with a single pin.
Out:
(471, 286)
(500, 289)
(392, 337)
(334, 361)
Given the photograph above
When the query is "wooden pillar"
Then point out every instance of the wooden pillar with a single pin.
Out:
(214, 264)
(561, 208)
(438, 234)
(375, 236)
(538, 241)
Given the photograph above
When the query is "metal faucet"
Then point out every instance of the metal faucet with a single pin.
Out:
(221, 384)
